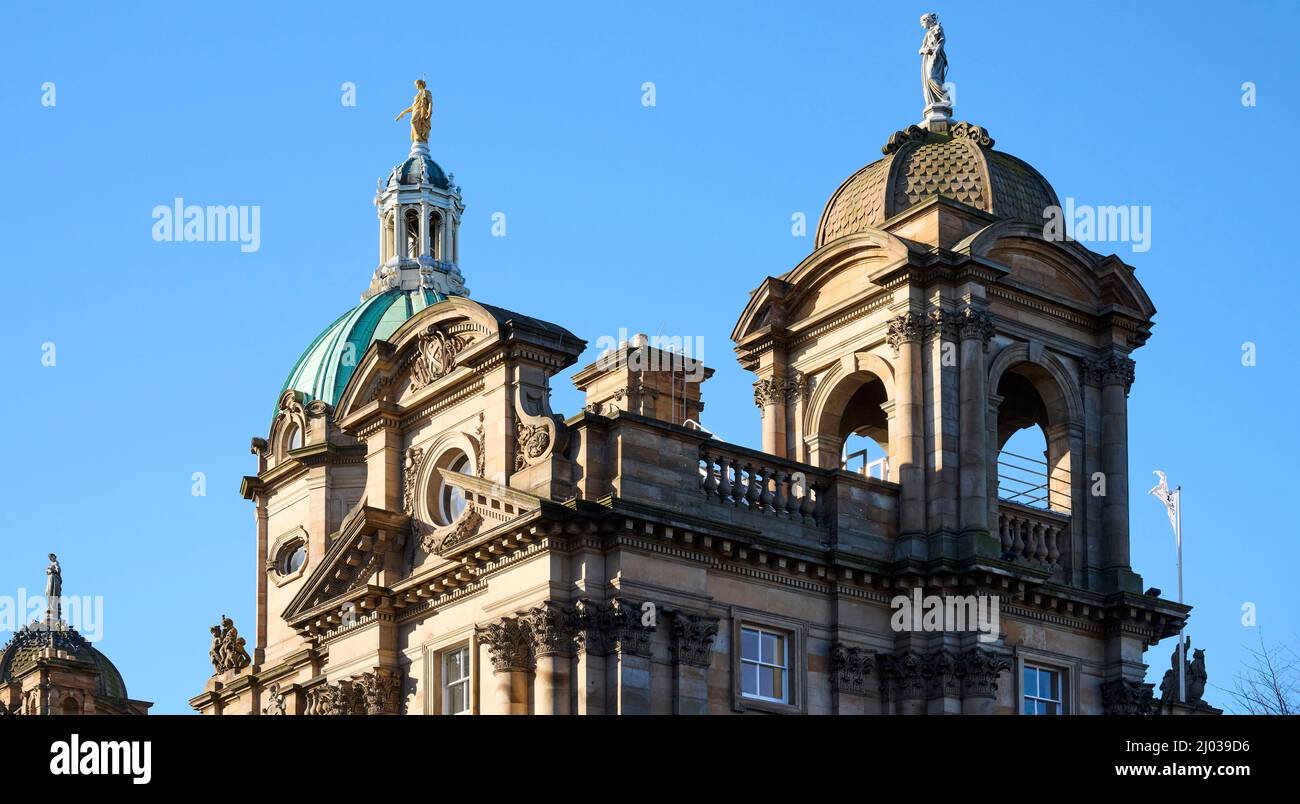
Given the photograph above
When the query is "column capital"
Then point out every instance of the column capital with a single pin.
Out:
(910, 327)
(693, 638)
(850, 667)
(509, 643)
(1113, 369)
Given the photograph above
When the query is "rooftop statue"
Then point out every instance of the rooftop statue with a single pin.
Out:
(934, 69)
(420, 110)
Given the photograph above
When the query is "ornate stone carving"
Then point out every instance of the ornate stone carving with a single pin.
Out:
(1122, 696)
(765, 391)
(435, 356)
(976, 134)
(944, 325)
(979, 671)
(900, 138)
(1111, 370)
(509, 642)
(378, 692)
(901, 676)
(552, 627)
(942, 673)
(789, 389)
(693, 638)
(439, 540)
(974, 325)
(617, 625)
(410, 473)
(480, 455)
(227, 651)
(275, 701)
(329, 699)
(531, 442)
(908, 327)
(850, 667)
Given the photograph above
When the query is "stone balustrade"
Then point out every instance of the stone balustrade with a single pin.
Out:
(763, 484)
(1032, 535)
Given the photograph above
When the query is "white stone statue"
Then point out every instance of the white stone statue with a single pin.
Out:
(53, 589)
(934, 69)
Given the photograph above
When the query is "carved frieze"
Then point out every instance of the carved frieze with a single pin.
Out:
(378, 692)
(440, 540)
(410, 475)
(274, 701)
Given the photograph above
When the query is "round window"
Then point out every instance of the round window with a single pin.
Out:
(453, 498)
(292, 557)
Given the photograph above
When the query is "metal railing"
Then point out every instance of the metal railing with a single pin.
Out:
(1029, 481)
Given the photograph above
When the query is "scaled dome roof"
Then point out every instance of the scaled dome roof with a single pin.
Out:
(959, 164)
(30, 642)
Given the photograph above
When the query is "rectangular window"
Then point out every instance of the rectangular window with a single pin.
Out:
(1042, 691)
(764, 665)
(455, 682)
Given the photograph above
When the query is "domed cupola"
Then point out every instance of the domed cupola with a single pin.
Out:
(419, 209)
(957, 162)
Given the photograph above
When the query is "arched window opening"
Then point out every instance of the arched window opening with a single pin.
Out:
(70, 706)
(435, 236)
(1033, 463)
(292, 438)
(390, 237)
(865, 431)
(412, 219)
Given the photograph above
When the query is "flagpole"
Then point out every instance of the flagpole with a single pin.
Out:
(1182, 644)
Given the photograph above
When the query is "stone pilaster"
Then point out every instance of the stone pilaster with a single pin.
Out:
(908, 446)
(552, 627)
(692, 650)
(851, 690)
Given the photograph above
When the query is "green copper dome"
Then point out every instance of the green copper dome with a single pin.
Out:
(324, 369)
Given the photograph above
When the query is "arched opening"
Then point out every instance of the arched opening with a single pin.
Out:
(412, 229)
(390, 237)
(1034, 461)
(435, 236)
(70, 706)
(851, 428)
(864, 430)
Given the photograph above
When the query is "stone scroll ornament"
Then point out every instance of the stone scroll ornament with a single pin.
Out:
(537, 434)
(227, 651)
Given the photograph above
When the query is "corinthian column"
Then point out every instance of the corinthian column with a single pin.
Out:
(975, 330)
(907, 446)
(552, 626)
(1115, 375)
(507, 641)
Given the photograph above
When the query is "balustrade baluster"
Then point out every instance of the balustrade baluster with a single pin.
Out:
(752, 490)
(710, 481)
(778, 497)
(724, 480)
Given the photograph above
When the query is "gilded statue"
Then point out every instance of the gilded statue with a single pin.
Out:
(420, 110)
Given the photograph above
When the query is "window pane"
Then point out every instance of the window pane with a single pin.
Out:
(766, 680)
(1047, 684)
(1051, 708)
(1031, 681)
(457, 699)
(749, 679)
(749, 644)
(773, 651)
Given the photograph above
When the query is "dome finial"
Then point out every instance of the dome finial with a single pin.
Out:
(934, 70)
(53, 591)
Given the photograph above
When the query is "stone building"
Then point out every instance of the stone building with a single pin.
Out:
(48, 668)
(433, 539)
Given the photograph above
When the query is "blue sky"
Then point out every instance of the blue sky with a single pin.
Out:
(169, 355)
